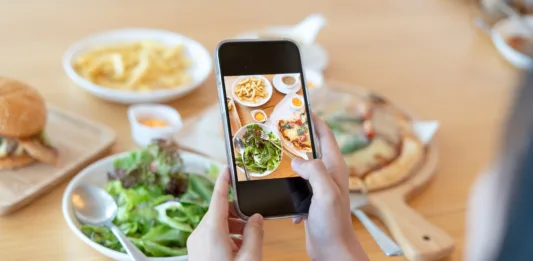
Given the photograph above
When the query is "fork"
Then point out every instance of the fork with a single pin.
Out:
(265, 137)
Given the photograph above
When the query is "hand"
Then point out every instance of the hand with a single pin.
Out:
(329, 231)
(211, 239)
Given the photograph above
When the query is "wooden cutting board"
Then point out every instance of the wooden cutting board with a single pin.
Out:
(79, 142)
(419, 239)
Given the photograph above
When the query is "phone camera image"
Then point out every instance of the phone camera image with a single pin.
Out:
(269, 124)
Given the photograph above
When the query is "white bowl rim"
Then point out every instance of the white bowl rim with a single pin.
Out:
(499, 33)
(262, 125)
(75, 48)
(67, 209)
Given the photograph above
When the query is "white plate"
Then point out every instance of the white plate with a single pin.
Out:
(314, 56)
(268, 89)
(505, 29)
(200, 69)
(240, 133)
(282, 87)
(96, 174)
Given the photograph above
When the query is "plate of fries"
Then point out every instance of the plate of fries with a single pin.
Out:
(138, 65)
(252, 90)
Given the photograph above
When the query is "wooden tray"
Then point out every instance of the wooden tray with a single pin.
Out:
(79, 142)
(419, 239)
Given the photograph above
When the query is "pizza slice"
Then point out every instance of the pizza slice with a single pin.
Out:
(296, 131)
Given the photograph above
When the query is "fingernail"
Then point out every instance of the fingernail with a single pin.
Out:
(296, 163)
(256, 218)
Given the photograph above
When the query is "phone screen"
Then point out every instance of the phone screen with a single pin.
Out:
(267, 123)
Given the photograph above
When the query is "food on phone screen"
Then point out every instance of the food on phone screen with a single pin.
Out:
(296, 131)
(260, 155)
(153, 122)
(138, 66)
(259, 116)
(23, 118)
(288, 80)
(251, 89)
(296, 103)
(159, 202)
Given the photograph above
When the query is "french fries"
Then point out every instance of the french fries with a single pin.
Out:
(139, 66)
(251, 90)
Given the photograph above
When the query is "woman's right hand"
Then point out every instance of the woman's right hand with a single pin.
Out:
(329, 230)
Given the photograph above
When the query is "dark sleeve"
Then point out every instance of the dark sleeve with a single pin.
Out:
(517, 145)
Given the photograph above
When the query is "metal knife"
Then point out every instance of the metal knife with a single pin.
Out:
(387, 245)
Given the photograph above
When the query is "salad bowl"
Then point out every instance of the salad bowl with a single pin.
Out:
(273, 135)
(96, 174)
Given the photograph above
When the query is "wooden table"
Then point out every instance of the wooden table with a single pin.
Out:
(424, 54)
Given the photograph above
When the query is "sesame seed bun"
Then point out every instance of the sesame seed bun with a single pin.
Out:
(22, 109)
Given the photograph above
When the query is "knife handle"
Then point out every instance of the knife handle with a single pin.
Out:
(419, 239)
(387, 245)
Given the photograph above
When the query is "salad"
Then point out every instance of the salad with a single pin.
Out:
(259, 155)
(159, 205)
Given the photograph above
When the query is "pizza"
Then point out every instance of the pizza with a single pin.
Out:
(375, 138)
(296, 132)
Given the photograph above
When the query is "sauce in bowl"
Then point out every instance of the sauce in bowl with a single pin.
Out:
(153, 122)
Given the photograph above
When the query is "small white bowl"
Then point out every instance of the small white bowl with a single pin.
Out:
(506, 28)
(201, 64)
(297, 107)
(142, 134)
(258, 111)
(315, 78)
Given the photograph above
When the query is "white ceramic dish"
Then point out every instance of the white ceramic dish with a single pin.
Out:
(258, 111)
(200, 68)
(240, 133)
(315, 78)
(96, 174)
(268, 89)
(277, 80)
(505, 29)
(297, 108)
(143, 135)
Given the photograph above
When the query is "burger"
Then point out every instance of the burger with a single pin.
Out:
(22, 121)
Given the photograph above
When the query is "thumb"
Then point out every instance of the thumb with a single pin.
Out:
(252, 245)
(316, 173)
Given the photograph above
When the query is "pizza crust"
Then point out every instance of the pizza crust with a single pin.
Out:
(410, 157)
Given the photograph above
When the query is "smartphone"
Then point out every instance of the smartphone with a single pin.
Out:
(267, 122)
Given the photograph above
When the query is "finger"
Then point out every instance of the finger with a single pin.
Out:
(219, 206)
(236, 226)
(331, 154)
(297, 220)
(316, 173)
(252, 245)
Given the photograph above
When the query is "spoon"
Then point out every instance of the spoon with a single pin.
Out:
(94, 206)
(239, 144)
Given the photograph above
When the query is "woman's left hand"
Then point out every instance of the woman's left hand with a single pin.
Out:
(211, 240)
